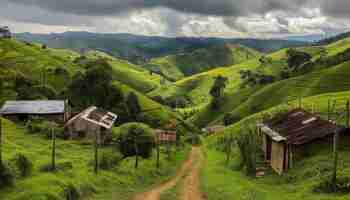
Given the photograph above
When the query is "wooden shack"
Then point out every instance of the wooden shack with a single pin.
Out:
(53, 110)
(90, 122)
(285, 136)
(165, 136)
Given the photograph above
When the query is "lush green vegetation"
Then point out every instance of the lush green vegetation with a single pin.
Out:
(175, 67)
(119, 182)
(223, 181)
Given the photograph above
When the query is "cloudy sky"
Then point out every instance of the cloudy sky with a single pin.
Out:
(219, 18)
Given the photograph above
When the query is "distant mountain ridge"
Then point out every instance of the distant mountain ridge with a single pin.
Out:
(140, 49)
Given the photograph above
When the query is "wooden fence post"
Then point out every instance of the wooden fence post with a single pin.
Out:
(137, 153)
(347, 114)
(158, 154)
(0, 140)
(53, 156)
(329, 110)
(335, 161)
(96, 153)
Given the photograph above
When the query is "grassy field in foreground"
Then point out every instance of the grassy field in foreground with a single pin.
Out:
(222, 182)
(120, 183)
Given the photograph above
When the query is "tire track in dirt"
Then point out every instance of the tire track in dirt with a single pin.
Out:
(190, 188)
(154, 194)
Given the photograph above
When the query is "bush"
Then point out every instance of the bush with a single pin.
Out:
(71, 192)
(109, 160)
(40, 126)
(230, 118)
(24, 165)
(326, 186)
(7, 176)
(59, 167)
(247, 145)
(144, 139)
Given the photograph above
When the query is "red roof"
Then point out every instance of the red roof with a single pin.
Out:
(299, 126)
(165, 136)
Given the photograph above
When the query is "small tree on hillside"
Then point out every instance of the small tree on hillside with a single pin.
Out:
(133, 105)
(217, 90)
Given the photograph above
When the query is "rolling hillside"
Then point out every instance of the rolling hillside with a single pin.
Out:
(176, 67)
(139, 49)
(243, 101)
(301, 181)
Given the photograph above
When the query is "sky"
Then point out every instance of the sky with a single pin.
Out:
(175, 18)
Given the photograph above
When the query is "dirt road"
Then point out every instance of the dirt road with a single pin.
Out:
(189, 174)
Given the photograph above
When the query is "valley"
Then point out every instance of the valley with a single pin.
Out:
(188, 118)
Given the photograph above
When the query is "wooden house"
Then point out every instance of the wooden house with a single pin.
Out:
(90, 122)
(214, 129)
(5, 32)
(165, 136)
(286, 137)
(53, 110)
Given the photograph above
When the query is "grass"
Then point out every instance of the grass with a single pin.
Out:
(221, 181)
(120, 182)
(176, 67)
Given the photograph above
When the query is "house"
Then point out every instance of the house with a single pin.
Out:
(90, 122)
(165, 136)
(286, 137)
(54, 110)
(5, 32)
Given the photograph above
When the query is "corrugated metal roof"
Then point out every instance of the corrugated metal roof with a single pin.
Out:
(299, 126)
(33, 107)
(97, 116)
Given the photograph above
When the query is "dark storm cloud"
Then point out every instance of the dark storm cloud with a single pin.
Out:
(336, 8)
(205, 7)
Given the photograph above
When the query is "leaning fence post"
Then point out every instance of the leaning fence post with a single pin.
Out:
(137, 153)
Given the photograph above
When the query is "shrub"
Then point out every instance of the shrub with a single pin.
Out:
(230, 118)
(71, 192)
(109, 160)
(40, 126)
(6, 176)
(59, 167)
(24, 165)
(247, 145)
(138, 133)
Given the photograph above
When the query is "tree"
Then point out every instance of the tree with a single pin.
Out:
(217, 90)
(95, 86)
(133, 105)
(297, 58)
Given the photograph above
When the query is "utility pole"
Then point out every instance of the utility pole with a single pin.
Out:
(53, 156)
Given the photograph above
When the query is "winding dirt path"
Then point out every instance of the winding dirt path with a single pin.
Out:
(190, 188)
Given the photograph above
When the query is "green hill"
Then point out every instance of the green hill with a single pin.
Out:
(329, 71)
(175, 67)
(299, 182)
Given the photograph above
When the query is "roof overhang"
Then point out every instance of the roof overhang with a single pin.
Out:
(271, 133)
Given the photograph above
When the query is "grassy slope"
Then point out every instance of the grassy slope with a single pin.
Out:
(201, 60)
(118, 183)
(130, 74)
(243, 102)
(222, 182)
